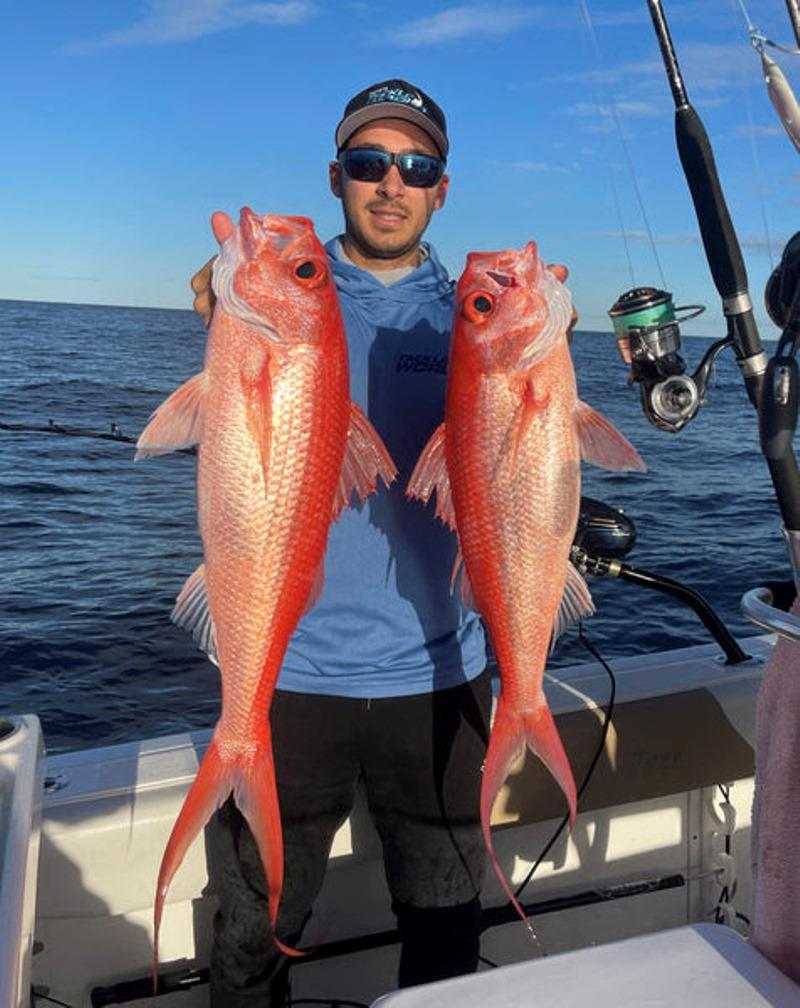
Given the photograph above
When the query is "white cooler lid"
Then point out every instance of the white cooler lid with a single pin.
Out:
(702, 964)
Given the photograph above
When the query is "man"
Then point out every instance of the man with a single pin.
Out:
(384, 681)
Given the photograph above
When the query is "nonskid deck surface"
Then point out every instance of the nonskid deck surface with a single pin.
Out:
(650, 812)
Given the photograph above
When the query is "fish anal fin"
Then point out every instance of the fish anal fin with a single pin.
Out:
(576, 602)
(365, 461)
(430, 473)
(178, 421)
(317, 586)
(602, 444)
(467, 594)
(191, 613)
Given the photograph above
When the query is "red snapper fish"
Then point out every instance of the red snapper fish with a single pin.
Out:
(505, 465)
(281, 450)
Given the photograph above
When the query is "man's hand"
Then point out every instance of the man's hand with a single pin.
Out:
(204, 299)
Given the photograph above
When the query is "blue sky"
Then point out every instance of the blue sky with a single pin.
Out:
(127, 124)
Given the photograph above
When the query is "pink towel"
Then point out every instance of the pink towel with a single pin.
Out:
(775, 842)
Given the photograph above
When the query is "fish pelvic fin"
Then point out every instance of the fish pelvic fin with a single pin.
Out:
(366, 460)
(178, 421)
(430, 473)
(191, 613)
(510, 731)
(576, 602)
(250, 778)
(602, 444)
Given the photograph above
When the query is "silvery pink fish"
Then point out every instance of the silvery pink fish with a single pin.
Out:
(505, 465)
(281, 450)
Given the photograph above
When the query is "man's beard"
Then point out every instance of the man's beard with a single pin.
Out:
(390, 248)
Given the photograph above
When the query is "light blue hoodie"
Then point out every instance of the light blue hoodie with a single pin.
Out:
(386, 624)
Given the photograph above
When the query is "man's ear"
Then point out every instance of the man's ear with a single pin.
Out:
(441, 193)
(335, 178)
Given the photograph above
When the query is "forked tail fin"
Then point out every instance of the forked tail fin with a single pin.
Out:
(510, 732)
(251, 779)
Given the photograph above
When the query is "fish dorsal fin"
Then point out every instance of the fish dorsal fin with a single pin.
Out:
(602, 444)
(430, 473)
(191, 613)
(178, 421)
(365, 459)
(576, 602)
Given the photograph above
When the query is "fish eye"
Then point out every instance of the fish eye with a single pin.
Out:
(306, 270)
(478, 306)
(309, 272)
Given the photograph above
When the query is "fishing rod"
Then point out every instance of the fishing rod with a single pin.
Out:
(645, 320)
(648, 336)
(114, 433)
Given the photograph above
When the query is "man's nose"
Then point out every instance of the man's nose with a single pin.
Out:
(391, 185)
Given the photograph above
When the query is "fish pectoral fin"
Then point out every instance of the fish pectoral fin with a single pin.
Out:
(178, 421)
(430, 473)
(602, 444)
(521, 422)
(576, 602)
(191, 613)
(365, 460)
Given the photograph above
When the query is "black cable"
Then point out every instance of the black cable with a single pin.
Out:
(46, 997)
(601, 746)
(329, 1002)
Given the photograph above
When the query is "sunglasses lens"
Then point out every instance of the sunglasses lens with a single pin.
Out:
(367, 165)
(419, 171)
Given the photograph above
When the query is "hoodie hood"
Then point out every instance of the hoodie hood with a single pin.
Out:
(428, 282)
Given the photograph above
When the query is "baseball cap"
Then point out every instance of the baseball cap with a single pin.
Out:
(394, 99)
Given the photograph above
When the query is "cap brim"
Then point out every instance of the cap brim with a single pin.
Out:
(390, 110)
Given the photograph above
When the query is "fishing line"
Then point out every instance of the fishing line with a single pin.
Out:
(759, 40)
(618, 126)
(600, 748)
(751, 130)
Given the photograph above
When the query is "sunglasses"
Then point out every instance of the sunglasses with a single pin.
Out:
(365, 164)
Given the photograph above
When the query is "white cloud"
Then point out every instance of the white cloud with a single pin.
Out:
(170, 21)
(524, 166)
(759, 131)
(467, 19)
(629, 109)
(758, 244)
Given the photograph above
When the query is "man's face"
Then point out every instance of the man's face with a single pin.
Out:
(385, 220)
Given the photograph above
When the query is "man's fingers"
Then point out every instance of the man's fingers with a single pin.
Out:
(201, 281)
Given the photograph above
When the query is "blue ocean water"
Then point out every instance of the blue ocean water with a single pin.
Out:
(94, 549)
